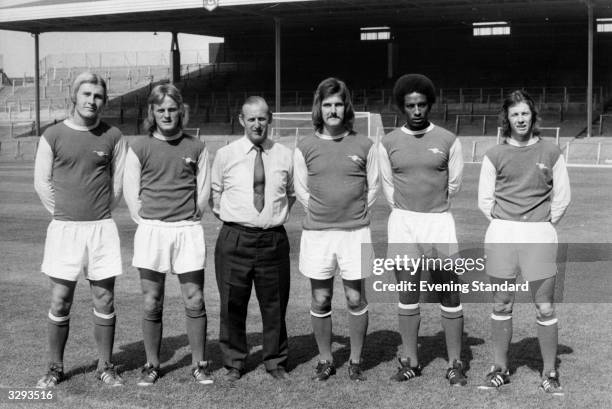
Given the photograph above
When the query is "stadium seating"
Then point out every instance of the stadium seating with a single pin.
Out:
(214, 93)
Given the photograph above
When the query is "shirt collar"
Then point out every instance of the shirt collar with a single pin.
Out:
(70, 124)
(514, 142)
(331, 138)
(420, 132)
(161, 137)
(246, 145)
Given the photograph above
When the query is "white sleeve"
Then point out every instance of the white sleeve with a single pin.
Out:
(117, 168)
(386, 174)
(372, 170)
(486, 187)
(290, 184)
(203, 180)
(43, 174)
(290, 187)
(561, 194)
(216, 182)
(300, 178)
(131, 184)
(455, 168)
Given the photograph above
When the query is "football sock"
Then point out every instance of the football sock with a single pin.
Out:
(58, 328)
(453, 331)
(322, 328)
(196, 333)
(152, 334)
(358, 327)
(548, 338)
(104, 334)
(502, 335)
(409, 331)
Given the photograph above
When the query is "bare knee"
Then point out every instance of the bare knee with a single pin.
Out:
(503, 307)
(321, 301)
(194, 301)
(60, 306)
(355, 302)
(104, 302)
(153, 301)
(545, 311)
(321, 304)
(62, 293)
(503, 303)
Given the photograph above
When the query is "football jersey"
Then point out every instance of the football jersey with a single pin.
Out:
(337, 181)
(168, 178)
(420, 168)
(82, 171)
(524, 180)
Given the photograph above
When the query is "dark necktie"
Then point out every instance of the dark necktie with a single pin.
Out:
(259, 180)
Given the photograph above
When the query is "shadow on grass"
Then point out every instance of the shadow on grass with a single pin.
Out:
(132, 356)
(526, 352)
(380, 346)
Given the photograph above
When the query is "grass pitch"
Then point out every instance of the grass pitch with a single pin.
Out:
(24, 297)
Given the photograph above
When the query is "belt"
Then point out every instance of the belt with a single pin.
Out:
(248, 229)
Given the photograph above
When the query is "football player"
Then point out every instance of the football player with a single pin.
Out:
(78, 174)
(336, 180)
(167, 186)
(421, 169)
(524, 190)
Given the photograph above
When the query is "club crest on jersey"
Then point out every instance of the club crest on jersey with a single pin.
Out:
(435, 150)
(188, 160)
(356, 159)
(100, 153)
(541, 166)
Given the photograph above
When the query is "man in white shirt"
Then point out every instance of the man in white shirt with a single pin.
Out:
(252, 193)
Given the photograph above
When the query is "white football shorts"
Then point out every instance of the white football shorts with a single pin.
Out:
(323, 252)
(526, 247)
(91, 247)
(169, 247)
(415, 234)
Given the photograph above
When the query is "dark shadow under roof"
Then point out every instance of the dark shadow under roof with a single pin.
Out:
(235, 17)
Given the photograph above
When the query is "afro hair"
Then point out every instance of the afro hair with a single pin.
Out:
(409, 83)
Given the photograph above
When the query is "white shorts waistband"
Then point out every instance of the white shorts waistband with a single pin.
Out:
(160, 223)
(83, 223)
(419, 214)
(518, 223)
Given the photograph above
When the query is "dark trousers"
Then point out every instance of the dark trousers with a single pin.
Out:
(245, 256)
